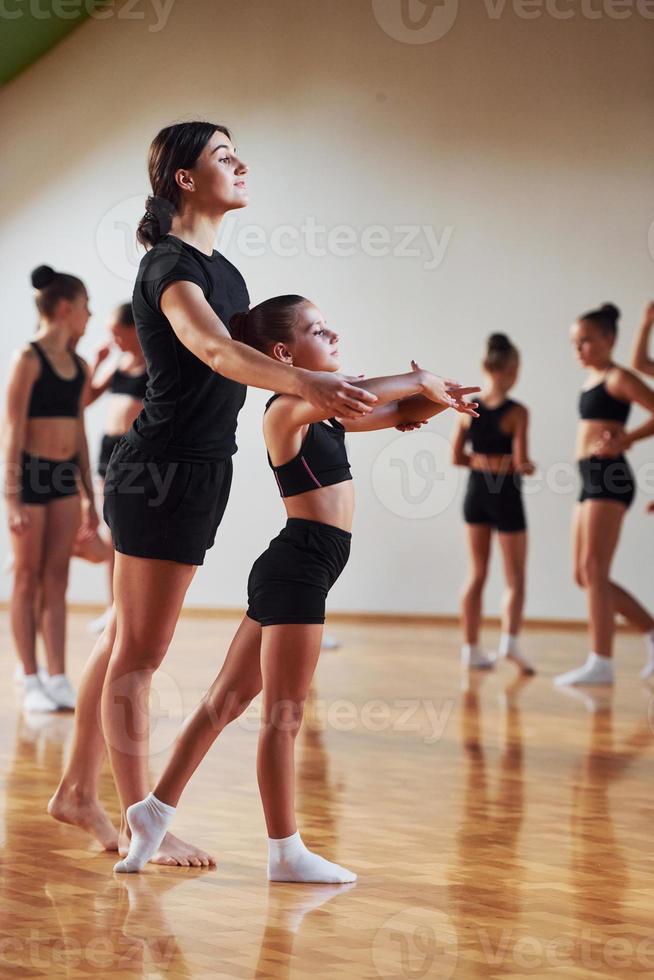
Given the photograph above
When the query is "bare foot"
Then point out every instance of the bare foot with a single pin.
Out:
(69, 807)
(174, 853)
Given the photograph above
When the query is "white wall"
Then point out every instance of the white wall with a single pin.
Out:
(528, 142)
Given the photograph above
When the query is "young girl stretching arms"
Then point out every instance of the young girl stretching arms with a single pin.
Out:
(277, 644)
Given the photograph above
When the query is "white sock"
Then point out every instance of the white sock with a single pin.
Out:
(148, 821)
(290, 860)
(596, 670)
(473, 657)
(648, 669)
(509, 650)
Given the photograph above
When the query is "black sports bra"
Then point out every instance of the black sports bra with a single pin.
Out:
(598, 403)
(129, 384)
(321, 462)
(53, 396)
(485, 433)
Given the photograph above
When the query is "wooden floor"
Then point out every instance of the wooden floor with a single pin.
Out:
(498, 831)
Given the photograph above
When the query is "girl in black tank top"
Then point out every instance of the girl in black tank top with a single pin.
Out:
(607, 489)
(289, 582)
(497, 460)
(46, 464)
(130, 382)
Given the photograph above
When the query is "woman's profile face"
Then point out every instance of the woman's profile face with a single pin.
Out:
(218, 177)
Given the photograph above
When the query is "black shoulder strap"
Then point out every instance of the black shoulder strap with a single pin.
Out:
(270, 401)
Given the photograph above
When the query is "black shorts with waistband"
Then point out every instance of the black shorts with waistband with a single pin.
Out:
(43, 480)
(289, 582)
(163, 509)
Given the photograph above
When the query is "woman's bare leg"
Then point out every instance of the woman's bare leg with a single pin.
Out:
(76, 798)
(62, 522)
(149, 596)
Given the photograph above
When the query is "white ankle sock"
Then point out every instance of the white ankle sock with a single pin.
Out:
(474, 658)
(148, 821)
(509, 650)
(596, 670)
(290, 860)
(648, 669)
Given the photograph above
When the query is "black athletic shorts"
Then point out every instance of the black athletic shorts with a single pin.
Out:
(161, 509)
(106, 449)
(289, 582)
(495, 499)
(607, 478)
(43, 480)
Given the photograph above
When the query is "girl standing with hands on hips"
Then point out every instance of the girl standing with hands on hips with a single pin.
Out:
(497, 459)
(46, 460)
(277, 645)
(607, 491)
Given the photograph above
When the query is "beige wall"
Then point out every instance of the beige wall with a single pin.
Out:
(519, 153)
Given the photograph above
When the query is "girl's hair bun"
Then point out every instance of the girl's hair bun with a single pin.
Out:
(610, 310)
(499, 342)
(238, 326)
(43, 276)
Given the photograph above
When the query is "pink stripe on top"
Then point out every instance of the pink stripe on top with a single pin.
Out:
(312, 475)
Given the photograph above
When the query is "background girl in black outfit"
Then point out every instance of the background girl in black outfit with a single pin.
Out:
(46, 461)
(493, 502)
(125, 380)
(607, 491)
(168, 481)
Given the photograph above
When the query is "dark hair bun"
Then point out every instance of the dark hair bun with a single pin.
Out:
(610, 310)
(238, 325)
(499, 342)
(43, 276)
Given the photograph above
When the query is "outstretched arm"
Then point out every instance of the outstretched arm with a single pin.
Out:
(206, 336)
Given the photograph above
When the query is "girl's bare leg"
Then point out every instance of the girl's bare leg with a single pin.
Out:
(62, 523)
(289, 655)
(28, 558)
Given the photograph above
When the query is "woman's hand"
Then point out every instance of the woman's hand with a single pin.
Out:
(445, 391)
(18, 518)
(90, 522)
(337, 397)
(612, 444)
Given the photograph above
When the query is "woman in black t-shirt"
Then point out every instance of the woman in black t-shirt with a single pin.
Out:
(168, 480)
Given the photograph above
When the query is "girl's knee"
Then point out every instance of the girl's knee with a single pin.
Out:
(27, 580)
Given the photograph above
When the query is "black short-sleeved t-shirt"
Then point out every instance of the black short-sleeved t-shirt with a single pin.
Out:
(190, 412)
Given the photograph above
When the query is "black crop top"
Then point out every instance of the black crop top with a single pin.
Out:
(321, 462)
(129, 384)
(485, 433)
(597, 403)
(190, 412)
(54, 396)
